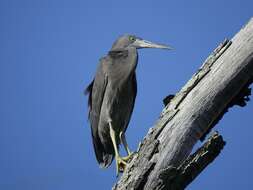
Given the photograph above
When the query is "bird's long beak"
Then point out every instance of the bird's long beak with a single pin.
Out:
(147, 44)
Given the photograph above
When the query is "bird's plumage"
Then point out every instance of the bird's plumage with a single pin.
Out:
(96, 91)
(112, 96)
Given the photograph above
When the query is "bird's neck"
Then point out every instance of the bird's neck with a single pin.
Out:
(123, 64)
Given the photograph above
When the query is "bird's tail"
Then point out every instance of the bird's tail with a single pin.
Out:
(104, 153)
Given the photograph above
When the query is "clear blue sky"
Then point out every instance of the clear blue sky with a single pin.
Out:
(49, 50)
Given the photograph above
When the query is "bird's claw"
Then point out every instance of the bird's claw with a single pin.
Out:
(120, 165)
(129, 157)
(121, 162)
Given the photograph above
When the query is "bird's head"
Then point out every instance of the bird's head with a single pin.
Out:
(126, 41)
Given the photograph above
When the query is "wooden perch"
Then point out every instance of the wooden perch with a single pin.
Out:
(162, 160)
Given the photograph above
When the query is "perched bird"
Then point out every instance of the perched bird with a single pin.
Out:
(111, 99)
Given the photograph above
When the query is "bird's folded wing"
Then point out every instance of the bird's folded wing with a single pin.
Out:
(96, 91)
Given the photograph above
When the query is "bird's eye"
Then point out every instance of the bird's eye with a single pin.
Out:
(131, 38)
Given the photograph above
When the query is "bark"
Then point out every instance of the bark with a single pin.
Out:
(163, 159)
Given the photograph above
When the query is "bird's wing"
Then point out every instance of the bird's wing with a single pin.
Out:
(96, 91)
(88, 91)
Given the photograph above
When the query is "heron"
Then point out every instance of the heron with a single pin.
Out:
(111, 98)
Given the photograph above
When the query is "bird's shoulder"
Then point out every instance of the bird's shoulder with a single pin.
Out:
(111, 58)
(103, 61)
(118, 53)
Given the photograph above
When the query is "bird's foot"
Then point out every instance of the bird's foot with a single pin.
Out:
(129, 157)
(120, 165)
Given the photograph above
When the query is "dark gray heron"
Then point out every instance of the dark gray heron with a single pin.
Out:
(111, 99)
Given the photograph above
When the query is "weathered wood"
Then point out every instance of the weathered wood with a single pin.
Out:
(221, 82)
(198, 161)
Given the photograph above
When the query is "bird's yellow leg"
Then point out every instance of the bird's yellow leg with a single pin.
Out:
(120, 163)
(124, 142)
